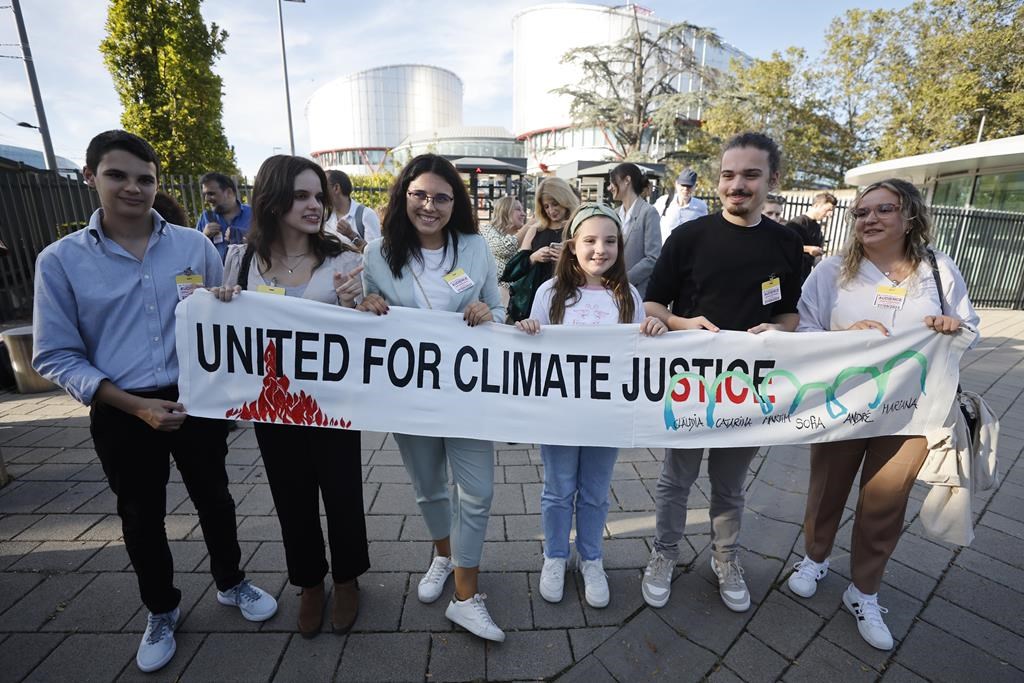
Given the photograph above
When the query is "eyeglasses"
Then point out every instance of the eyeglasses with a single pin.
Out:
(441, 200)
(880, 210)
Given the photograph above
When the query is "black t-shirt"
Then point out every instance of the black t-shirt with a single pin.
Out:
(545, 238)
(715, 269)
(810, 234)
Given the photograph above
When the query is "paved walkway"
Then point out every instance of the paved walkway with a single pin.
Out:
(69, 607)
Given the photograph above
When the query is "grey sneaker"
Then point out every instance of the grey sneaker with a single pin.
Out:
(157, 646)
(657, 583)
(731, 585)
(254, 603)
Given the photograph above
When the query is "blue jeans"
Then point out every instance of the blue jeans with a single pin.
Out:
(575, 477)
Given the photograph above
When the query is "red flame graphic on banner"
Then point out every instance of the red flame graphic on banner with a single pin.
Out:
(277, 404)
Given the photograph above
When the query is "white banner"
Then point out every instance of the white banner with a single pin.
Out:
(270, 358)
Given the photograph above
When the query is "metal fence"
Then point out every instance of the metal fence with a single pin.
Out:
(38, 207)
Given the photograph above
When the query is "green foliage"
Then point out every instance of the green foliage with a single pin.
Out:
(371, 190)
(160, 54)
(627, 92)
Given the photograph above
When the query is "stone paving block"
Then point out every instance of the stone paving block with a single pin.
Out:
(394, 499)
(784, 624)
(32, 436)
(754, 661)
(239, 657)
(414, 528)
(21, 652)
(696, 611)
(187, 646)
(418, 616)
(641, 455)
(978, 594)
(388, 474)
(456, 657)
(269, 557)
(938, 656)
(91, 472)
(25, 496)
(406, 556)
(631, 494)
(513, 456)
(531, 497)
(112, 557)
(723, 674)
(371, 657)
(310, 659)
(631, 524)
(57, 556)
(649, 469)
(104, 503)
(586, 640)
(767, 536)
(74, 497)
(29, 455)
(257, 528)
(624, 470)
(58, 528)
(894, 673)
(1006, 525)
(511, 556)
(106, 604)
(383, 527)
(590, 670)
(12, 525)
(977, 630)
(784, 506)
(245, 457)
(997, 544)
(626, 553)
(508, 600)
(257, 502)
(393, 458)
(68, 437)
(524, 528)
(380, 601)
(647, 649)
(87, 657)
(823, 661)
(625, 598)
(529, 656)
(522, 474)
(508, 499)
(208, 615)
(897, 575)
(923, 555)
(13, 586)
(781, 475)
(564, 614)
(991, 568)
(1008, 506)
(14, 551)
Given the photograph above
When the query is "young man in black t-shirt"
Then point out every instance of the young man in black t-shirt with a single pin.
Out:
(808, 227)
(732, 270)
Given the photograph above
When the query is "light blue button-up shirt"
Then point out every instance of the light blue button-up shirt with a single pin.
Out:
(100, 313)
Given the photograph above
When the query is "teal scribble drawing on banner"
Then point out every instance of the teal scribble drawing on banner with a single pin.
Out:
(834, 407)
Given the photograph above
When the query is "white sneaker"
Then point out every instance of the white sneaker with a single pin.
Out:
(657, 582)
(432, 584)
(254, 603)
(595, 582)
(158, 646)
(473, 616)
(868, 612)
(552, 579)
(731, 585)
(806, 575)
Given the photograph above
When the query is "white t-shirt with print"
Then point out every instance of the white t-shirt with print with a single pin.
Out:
(596, 306)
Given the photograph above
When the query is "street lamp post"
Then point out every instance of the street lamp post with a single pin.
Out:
(284, 63)
(30, 69)
(981, 125)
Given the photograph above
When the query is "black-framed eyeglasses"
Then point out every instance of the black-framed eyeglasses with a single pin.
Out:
(441, 200)
(880, 210)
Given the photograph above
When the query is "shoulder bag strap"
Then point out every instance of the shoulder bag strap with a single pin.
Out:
(243, 272)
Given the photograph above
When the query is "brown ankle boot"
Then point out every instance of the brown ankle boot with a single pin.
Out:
(346, 606)
(311, 610)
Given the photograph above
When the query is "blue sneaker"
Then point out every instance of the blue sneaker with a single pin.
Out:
(255, 603)
(158, 646)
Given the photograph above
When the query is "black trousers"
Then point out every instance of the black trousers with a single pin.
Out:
(135, 458)
(304, 463)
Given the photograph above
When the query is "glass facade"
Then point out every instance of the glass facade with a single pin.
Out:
(994, 192)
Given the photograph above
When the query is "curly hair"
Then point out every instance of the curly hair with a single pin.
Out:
(916, 219)
(503, 208)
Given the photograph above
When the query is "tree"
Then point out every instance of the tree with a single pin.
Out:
(160, 54)
(627, 89)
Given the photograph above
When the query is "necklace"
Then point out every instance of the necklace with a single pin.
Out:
(285, 258)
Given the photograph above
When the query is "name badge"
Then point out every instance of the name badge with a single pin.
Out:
(890, 297)
(771, 291)
(187, 284)
(268, 289)
(458, 280)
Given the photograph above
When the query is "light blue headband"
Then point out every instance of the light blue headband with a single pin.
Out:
(589, 210)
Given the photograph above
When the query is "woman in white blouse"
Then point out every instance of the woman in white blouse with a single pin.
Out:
(887, 279)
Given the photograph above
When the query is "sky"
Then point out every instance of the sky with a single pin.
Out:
(327, 39)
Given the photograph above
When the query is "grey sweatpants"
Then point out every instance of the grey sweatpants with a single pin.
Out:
(727, 470)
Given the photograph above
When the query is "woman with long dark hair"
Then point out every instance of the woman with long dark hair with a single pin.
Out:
(289, 253)
(888, 250)
(641, 224)
(429, 234)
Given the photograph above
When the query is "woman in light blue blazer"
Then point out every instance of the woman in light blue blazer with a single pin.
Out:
(430, 234)
(641, 224)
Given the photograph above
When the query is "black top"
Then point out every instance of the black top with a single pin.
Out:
(810, 234)
(715, 269)
(545, 238)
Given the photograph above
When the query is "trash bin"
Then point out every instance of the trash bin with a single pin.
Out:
(19, 345)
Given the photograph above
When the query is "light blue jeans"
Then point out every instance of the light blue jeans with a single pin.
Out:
(575, 478)
(461, 515)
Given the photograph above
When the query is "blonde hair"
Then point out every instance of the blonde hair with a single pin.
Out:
(503, 213)
(916, 220)
(559, 192)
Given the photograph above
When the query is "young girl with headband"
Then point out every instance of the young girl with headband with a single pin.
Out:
(589, 287)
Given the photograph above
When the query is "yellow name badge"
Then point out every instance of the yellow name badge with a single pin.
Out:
(458, 280)
(890, 297)
(771, 291)
(267, 289)
(187, 284)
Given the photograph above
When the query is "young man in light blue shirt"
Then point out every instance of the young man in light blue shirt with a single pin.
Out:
(103, 327)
